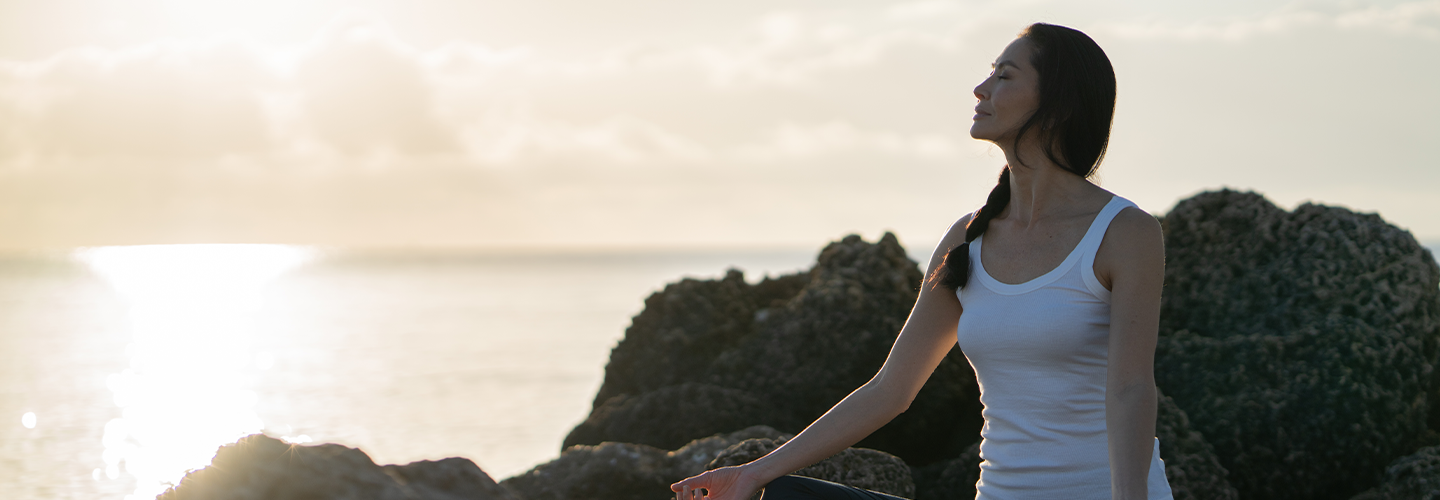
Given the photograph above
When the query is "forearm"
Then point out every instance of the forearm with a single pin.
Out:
(1130, 422)
(862, 412)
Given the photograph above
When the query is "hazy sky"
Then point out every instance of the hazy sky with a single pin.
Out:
(582, 123)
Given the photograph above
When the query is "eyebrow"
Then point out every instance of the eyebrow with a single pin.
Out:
(1007, 62)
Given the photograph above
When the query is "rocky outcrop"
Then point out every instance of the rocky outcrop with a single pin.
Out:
(259, 467)
(1191, 467)
(1413, 477)
(655, 419)
(950, 479)
(859, 467)
(1301, 344)
(784, 351)
(621, 471)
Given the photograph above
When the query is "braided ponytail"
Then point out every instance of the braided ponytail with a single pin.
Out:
(954, 271)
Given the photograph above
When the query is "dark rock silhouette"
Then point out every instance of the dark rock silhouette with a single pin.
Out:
(1301, 344)
(1413, 477)
(1191, 467)
(950, 479)
(259, 467)
(859, 467)
(786, 349)
(622, 471)
(706, 410)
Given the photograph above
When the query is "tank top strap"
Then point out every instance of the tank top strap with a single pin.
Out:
(1090, 245)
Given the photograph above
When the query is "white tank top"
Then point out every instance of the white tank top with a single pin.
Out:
(1039, 350)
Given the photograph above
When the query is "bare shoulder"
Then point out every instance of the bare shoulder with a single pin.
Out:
(1134, 242)
(1135, 226)
(956, 234)
(953, 238)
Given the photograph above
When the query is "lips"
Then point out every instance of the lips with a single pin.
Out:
(980, 114)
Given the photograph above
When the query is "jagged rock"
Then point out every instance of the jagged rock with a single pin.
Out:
(950, 479)
(789, 349)
(612, 471)
(693, 458)
(686, 325)
(259, 467)
(1413, 477)
(686, 410)
(623, 471)
(448, 479)
(859, 467)
(1301, 344)
(1191, 467)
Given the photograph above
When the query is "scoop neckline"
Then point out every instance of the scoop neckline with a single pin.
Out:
(1041, 280)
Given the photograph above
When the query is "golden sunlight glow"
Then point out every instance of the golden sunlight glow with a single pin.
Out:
(186, 390)
(254, 19)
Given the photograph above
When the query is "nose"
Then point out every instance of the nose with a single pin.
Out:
(982, 91)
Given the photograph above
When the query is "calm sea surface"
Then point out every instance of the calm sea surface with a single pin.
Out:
(122, 367)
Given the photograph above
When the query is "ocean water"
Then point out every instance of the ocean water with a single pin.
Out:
(122, 367)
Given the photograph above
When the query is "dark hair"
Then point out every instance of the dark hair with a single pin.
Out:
(1076, 105)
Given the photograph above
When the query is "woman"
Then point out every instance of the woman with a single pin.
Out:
(1053, 290)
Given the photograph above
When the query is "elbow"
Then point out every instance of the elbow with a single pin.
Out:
(895, 400)
(903, 404)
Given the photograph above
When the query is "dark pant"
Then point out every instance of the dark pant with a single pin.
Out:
(806, 488)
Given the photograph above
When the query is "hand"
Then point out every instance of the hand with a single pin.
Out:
(725, 483)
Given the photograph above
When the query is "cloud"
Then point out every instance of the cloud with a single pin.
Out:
(791, 141)
(353, 90)
(621, 139)
(792, 49)
(363, 90)
(162, 99)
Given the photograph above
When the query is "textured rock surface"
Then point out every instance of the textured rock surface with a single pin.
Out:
(859, 467)
(1191, 467)
(258, 467)
(1413, 477)
(1301, 344)
(624, 471)
(706, 410)
(786, 350)
(448, 479)
(950, 479)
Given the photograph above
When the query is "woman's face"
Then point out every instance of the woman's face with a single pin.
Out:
(1008, 96)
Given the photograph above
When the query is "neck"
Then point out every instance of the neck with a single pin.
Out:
(1040, 189)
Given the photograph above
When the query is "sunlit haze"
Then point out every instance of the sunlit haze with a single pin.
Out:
(186, 391)
(634, 124)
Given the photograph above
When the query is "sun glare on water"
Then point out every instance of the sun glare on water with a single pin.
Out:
(186, 390)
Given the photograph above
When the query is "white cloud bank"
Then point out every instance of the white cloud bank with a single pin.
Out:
(794, 128)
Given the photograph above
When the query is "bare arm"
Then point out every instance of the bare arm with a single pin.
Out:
(926, 338)
(1131, 262)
